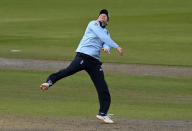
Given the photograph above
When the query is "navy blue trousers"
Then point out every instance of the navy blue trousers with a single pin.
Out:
(93, 67)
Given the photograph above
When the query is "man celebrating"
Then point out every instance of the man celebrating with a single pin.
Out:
(96, 37)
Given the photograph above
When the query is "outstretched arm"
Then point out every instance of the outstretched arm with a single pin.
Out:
(97, 29)
(106, 48)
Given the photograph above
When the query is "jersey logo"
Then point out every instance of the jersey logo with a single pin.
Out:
(81, 62)
(96, 24)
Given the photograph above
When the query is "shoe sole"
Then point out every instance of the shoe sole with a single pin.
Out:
(104, 121)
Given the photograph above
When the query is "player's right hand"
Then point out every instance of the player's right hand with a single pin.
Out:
(120, 50)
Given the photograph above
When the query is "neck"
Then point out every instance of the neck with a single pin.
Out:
(101, 24)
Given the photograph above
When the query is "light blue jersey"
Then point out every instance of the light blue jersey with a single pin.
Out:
(94, 39)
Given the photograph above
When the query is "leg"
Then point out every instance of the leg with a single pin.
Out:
(97, 76)
(74, 67)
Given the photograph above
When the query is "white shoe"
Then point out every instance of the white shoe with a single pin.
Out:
(44, 86)
(105, 119)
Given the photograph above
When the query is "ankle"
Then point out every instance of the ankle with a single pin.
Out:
(102, 114)
(49, 82)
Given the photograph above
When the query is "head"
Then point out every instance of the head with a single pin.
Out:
(103, 17)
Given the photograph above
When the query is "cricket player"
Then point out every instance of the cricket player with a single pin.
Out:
(96, 37)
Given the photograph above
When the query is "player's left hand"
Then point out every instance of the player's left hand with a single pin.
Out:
(106, 50)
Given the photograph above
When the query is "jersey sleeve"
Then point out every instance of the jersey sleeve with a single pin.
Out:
(97, 29)
(106, 46)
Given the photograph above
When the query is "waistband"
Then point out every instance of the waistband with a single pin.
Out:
(88, 57)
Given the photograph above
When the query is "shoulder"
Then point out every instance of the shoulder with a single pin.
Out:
(94, 23)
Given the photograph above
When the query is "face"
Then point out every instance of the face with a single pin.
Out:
(103, 18)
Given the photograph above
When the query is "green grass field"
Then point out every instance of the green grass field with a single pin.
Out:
(155, 32)
(139, 97)
(151, 32)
